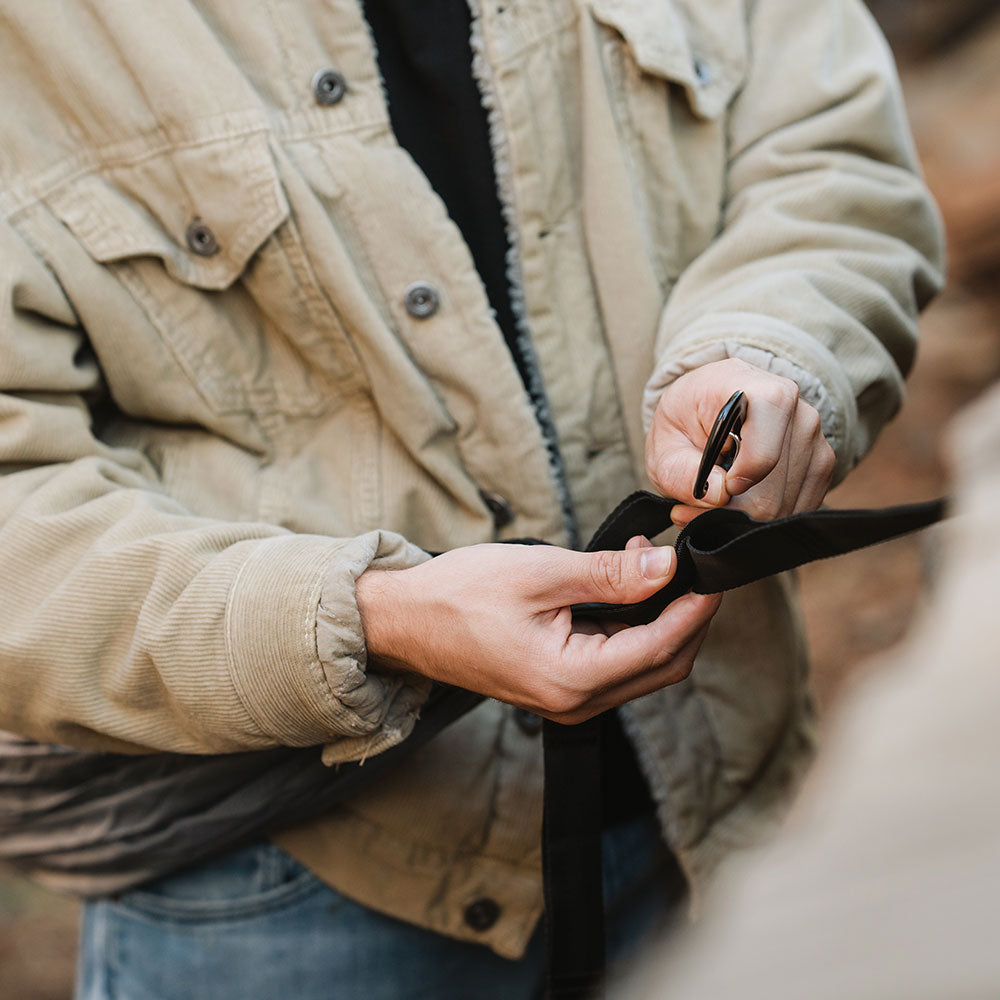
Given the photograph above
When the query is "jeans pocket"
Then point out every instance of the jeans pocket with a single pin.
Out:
(247, 882)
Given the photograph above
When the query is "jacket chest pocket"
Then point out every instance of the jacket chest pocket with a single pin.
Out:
(200, 238)
(672, 68)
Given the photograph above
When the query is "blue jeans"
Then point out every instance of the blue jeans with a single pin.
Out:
(257, 925)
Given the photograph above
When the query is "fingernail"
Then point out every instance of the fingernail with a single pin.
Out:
(656, 563)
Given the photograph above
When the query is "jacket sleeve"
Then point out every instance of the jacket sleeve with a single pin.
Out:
(129, 624)
(829, 241)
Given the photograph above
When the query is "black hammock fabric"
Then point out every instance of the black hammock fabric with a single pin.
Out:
(172, 810)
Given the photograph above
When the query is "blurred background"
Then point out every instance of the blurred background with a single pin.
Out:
(859, 604)
(949, 59)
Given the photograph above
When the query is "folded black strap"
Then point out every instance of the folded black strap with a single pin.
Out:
(726, 548)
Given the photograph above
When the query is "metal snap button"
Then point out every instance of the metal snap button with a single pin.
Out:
(421, 300)
(201, 240)
(529, 723)
(481, 914)
(329, 86)
(500, 508)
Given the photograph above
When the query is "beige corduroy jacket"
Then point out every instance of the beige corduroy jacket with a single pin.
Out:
(220, 406)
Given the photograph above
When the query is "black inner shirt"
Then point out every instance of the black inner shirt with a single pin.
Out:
(437, 115)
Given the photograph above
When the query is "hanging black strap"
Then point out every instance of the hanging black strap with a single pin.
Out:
(571, 859)
(720, 550)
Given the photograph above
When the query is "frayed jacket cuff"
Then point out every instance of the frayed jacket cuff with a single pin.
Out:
(297, 653)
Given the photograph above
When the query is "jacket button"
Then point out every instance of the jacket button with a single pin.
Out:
(481, 914)
(201, 240)
(329, 86)
(529, 723)
(500, 508)
(703, 72)
(421, 300)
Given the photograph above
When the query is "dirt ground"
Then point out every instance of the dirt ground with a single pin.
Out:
(857, 605)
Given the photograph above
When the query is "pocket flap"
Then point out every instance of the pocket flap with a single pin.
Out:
(147, 208)
(701, 47)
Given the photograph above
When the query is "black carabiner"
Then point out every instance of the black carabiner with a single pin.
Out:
(723, 444)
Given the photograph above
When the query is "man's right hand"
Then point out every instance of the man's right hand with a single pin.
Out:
(497, 619)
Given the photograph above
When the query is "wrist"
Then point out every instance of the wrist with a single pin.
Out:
(372, 591)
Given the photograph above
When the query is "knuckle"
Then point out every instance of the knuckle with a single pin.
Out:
(827, 463)
(782, 393)
(811, 421)
(736, 365)
(758, 462)
(673, 669)
(574, 717)
(654, 464)
(608, 571)
(650, 450)
(763, 508)
(681, 671)
(761, 462)
(563, 705)
(557, 701)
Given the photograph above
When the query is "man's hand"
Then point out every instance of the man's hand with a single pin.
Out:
(496, 619)
(785, 465)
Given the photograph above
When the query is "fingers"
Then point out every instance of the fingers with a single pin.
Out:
(641, 659)
(819, 474)
(767, 434)
(643, 647)
(800, 478)
(785, 464)
(683, 514)
(676, 670)
(615, 577)
(638, 542)
(778, 438)
(497, 619)
(796, 461)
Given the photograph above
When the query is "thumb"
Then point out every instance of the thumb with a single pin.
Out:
(624, 577)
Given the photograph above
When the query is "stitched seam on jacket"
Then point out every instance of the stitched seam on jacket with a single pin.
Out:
(483, 73)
